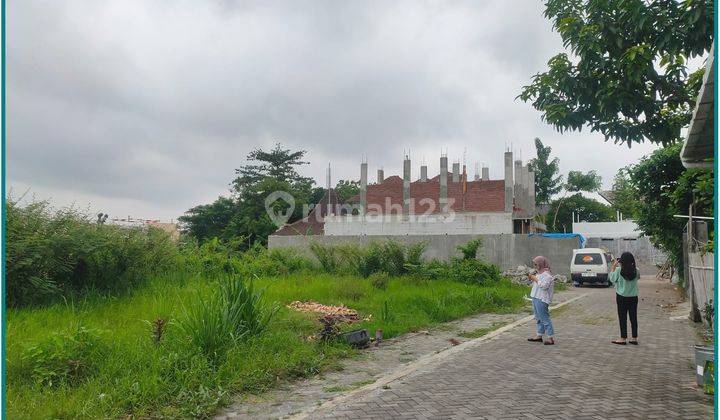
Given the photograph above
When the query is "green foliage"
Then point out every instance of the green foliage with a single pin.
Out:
(393, 258)
(431, 270)
(208, 221)
(628, 78)
(625, 197)
(709, 313)
(351, 289)
(51, 255)
(385, 314)
(709, 385)
(242, 218)
(473, 271)
(130, 376)
(469, 250)
(326, 256)
(346, 189)
(548, 182)
(233, 312)
(578, 181)
(665, 188)
(695, 187)
(389, 257)
(380, 280)
(63, 358)
(414, 252)
(590, 210)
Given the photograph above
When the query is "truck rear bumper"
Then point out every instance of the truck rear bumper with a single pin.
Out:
(598, 278)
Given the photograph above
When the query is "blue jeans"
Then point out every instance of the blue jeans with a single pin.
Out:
(542, 317)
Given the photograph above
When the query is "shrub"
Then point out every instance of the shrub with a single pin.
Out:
(393, 258)
(389, 257)
(232, 312)
(349, 258)
(290, 259)
(380, 280)
(431, 270)
(215, 258)
(413, 253)
(370, 260)
(469, 250)
(473, 271)
(325, 255)
(62, 358)
(54, 254)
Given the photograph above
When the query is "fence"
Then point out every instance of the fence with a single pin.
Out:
(701, 282)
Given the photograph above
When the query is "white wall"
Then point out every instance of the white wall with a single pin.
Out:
(624, 229)
(436, 224)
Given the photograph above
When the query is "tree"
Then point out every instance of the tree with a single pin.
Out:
(278, 164)
(665, 188)
(209, 221)
(346, 189)
(547, 181)
(625, 196)
(628, 76)
(242, 218)
(588, 209)
(578, 182)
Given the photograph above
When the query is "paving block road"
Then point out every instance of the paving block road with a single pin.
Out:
(583, 376)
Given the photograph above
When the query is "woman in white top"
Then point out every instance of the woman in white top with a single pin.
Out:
(542, 292)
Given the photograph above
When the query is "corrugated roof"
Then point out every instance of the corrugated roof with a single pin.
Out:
(698, 150)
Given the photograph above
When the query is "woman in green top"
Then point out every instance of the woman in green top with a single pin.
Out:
(625, 279)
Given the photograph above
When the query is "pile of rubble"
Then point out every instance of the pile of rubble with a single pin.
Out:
(519, 275)
(338, 312)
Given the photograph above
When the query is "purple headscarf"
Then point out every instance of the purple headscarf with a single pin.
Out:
(542, 263)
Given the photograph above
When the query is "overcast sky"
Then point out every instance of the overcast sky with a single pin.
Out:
(145, 108)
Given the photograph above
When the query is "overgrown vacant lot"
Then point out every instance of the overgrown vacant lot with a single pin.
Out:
(108, 322)
(97, 357)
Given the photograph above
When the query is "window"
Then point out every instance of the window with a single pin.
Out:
(588, 259)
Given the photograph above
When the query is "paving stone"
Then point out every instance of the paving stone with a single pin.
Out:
(582, 376)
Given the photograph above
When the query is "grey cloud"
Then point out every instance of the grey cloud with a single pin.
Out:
(153, 104)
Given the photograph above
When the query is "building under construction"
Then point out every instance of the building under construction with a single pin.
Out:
(447, 203)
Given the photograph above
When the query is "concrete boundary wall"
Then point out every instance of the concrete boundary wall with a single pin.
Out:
(505, 251)
(643, 250)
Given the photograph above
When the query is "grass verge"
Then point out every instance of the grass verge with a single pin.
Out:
(100, 357)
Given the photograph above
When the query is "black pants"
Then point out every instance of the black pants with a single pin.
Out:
(625, 305)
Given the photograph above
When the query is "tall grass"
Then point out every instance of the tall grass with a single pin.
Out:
(232, 312)
(388, 257)
(129, 374)
(51, 254)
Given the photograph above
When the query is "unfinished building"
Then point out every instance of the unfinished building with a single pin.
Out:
(446, 204)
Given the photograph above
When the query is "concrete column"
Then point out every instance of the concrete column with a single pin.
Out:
(486, 174)
(363, 187)
(509, 182)
(526, 188)
(531, 194)
(443, 181)
(381, 176)
(456, 172)
(406, 187)
(518, 185)
(423, 173)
